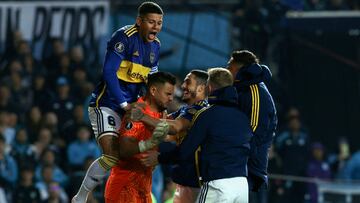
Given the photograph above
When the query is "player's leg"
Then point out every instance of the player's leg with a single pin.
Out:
(225, 190)
(105, 123)
(185, 194)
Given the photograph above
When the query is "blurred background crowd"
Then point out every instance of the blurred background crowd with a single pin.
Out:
(46, 142)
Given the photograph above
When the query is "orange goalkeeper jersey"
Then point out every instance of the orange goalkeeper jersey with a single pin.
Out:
(130, 181)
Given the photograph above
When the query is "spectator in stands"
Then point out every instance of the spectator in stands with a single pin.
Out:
(338, 160)
(64, 69)
(42, 95)
(8, 167)
(33, 123)
(6, 101)
(317, 168)
(81, 148)
(68, 132)
(351, 170)
(51, 121)
(7, 130)
(44, 141)
(20, 93)
(52, 61)
(46, 180)
(54, 191)
(48, 158)
(63, 103)
(79, 80)
(21, 148)
(26, 190)
(292, 145)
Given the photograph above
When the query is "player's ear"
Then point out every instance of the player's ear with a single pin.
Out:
(201, 88)
(138, 21)
(152, 90)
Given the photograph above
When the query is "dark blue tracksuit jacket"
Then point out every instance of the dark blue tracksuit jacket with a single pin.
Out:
(223, 134)
(257, 103)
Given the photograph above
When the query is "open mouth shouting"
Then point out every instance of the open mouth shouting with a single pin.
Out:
(152, 36)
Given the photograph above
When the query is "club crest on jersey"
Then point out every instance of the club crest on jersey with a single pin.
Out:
(192, 111)
(152, 57)
(119, 47)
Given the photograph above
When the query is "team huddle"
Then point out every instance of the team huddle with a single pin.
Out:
(219, 140)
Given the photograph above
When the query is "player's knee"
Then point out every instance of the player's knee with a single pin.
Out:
(108, 161)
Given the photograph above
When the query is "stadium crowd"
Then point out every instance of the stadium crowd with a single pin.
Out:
(46, 141)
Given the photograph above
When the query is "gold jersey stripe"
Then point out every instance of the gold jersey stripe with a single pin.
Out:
(100, 95)
(130, 29)
(132, 32)
(198, 113)
(254, 107)
(197, 165)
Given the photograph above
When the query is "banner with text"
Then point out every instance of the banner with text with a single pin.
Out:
(75, 22)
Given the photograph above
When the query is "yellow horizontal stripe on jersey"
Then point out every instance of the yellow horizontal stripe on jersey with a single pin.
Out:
(132, 72)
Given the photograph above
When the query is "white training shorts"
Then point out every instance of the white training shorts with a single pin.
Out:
(226, 190)
(104, 121)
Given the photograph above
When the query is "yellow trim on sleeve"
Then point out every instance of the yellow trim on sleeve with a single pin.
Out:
(132, 28)
(132, 32)
(197, 165)
(255, 104)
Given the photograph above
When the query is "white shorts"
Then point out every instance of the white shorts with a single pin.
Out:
(185, 194)
(104, 121)
(226, 190)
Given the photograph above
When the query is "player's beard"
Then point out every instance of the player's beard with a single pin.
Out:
(192, 95)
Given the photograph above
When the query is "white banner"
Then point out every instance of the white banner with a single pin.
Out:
(73, 22)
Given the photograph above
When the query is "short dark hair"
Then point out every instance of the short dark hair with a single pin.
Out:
(160, 78)
(201, 76)
(245, 57)
(149, 7)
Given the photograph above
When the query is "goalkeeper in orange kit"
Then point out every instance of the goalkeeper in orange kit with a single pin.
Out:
(130, 181)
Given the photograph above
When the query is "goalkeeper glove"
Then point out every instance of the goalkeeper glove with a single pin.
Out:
(160, 132)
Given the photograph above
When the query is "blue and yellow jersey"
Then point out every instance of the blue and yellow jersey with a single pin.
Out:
(128, 61)
(185, 173)
(187, 112)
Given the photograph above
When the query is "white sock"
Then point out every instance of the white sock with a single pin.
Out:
(93, 177)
